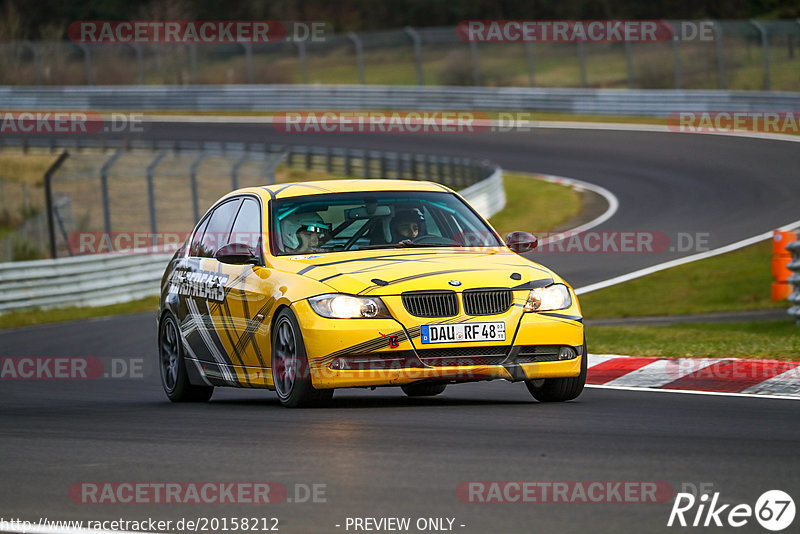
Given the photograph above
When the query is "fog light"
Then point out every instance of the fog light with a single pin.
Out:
(339, 364)
(566, 353)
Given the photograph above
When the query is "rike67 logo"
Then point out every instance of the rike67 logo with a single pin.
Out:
(774, 510)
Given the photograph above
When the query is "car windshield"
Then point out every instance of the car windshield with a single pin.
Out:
(374, 220)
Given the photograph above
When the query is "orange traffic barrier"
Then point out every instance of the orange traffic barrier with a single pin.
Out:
(780, 271)
(780, 240)
(781, 257)
(781, 291)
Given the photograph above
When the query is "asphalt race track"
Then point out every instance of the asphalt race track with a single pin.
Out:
(381, 454)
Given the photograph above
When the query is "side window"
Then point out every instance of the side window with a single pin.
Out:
(247, 228)
(196, 247)
(219, 227)
(430, 224)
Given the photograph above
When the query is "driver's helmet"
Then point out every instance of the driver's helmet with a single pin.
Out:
(410, 215)
(308, 221)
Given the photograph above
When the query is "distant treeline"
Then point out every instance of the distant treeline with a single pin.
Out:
(48, 19)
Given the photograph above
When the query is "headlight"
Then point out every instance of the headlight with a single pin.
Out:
(554, 297)
(349, 307)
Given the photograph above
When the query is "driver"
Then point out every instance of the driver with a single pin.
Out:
(407, 224)
(303, 232)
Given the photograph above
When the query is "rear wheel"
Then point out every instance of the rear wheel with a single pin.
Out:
(559, 389)
(290, 370)
(423, 389)
(174, 377)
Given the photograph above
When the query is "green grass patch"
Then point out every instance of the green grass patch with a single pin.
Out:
(736, 281)
(18, 166)
(775, 340)
(534, 205)
(32, 317)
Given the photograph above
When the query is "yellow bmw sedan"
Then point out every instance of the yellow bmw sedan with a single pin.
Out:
(307, 287)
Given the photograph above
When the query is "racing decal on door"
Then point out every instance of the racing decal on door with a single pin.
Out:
(208, 285)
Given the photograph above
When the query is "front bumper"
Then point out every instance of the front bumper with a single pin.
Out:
(329, 342)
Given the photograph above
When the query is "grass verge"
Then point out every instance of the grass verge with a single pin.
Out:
(17, 166)
(736, 281)
(774, 340)
(533, 205)
(32, 317)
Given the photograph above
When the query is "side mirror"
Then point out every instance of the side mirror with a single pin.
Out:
(237, 254)
(521, 242)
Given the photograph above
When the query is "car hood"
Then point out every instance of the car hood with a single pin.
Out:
(392, 271)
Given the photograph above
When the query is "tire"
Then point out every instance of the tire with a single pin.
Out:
(559, 389)
(423, 389)
(290, 371)
(172, 365)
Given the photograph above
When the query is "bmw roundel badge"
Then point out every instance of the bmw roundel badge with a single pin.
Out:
(454, 283)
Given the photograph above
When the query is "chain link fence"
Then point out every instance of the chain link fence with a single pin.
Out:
(158, 190)
(746, 55)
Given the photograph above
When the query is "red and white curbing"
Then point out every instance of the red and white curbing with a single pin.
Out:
(772, 378)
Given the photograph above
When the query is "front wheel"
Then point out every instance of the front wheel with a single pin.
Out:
(174, 377)
(290, 371)
(559, 389)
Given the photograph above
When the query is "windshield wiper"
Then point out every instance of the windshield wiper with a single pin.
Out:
(404, 244)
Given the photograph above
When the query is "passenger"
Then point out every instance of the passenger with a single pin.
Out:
(407, 224)
(303, 232)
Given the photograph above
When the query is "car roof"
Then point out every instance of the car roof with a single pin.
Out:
(321, 187)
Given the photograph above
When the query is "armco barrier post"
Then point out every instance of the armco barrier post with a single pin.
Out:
(762, 30)
(151, 195)
(476, 65)
(676, 61)
(794, 279)
(359, 50)
(582, 63)
(193, 180)
(235, 169)
(529, 56)
(722, 78)
(629, 63)
(416, 40)
(104, 190)
(48, 196)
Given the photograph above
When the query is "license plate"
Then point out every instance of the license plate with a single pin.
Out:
(462, 332)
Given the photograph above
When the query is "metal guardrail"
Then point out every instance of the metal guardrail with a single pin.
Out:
(95, 280)
(293, 97)
(101, 279)
(794, 279)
